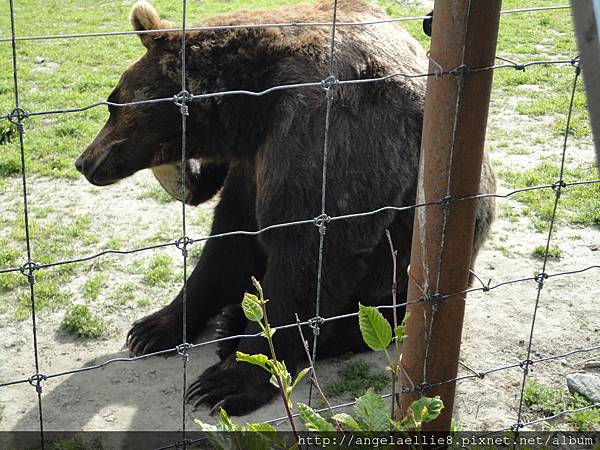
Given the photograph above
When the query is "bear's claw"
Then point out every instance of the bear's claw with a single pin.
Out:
(158, 331)
(238, 388)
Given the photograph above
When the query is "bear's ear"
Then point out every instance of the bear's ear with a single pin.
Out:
(144, 17)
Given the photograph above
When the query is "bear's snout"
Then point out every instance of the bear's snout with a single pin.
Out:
(79, 164)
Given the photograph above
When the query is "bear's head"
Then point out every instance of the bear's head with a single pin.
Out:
(136, 137)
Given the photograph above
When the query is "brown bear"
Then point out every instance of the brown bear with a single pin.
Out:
(265, 154)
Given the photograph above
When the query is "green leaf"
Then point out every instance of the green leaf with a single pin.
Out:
(312, 420)
(376, 330)
(347, 420)
(217, 440)
(372, 411)
(268, 332)
(205, 426)
(301, 375)
(426, 409)
(259, 427)
(258, 359)
(400, 330)
(252, 309)
(227, 423)
(273, 381)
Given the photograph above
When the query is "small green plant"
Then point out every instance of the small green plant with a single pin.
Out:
(8, 132)
(354, 379)
(93, 286)
(157, 193)
(159, 271)
(371, 414)
(548, 401)
(254, 308)
(124, 293)
(80, 321)
(553, 252)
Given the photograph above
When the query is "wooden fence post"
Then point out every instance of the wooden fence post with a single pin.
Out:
(456, 107)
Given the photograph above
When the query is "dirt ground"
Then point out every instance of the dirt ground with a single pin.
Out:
(146, 394)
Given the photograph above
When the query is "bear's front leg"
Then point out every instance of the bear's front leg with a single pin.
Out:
(219, 279)
(289, 284)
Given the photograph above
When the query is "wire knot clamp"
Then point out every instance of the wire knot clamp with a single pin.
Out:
(183, 243)
(183, 350)
(16, 116)
(27, 269)
(321, 223)
(459, 71)
(329, 83)
(315, 324)
(36, 380)
(183, 445)
(525, 365)
(539, 279)
(182, 99)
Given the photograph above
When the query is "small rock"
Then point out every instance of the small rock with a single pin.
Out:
(585, 384)
(592, 365)
(39, 60)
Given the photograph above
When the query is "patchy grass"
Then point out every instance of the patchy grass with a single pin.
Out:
(548, 401)
(354, 379)
(554, 252)
(578, 205)
(159, 271)
(80, 321)
(74, 72)
(93, 286)
(156, 192)
(124, 294)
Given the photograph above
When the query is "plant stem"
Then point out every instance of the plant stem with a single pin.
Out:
(269, 337)
(313, 374)
(395, 316)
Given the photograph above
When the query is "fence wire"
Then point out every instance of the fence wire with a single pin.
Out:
(184, 99)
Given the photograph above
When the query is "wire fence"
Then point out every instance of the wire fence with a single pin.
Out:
(184, 100)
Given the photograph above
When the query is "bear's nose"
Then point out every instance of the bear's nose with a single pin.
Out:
(79, 164)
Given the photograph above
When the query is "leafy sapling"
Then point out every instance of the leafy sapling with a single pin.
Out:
(255, 310)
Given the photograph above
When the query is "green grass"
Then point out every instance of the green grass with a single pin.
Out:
(578, 205)
(74, 72)
(554, 252)
(156, 192)
(53, 238)
(354, 379)
(548, 401)
(124, 294)
(80, 321)
(93, 286)
(159, 271)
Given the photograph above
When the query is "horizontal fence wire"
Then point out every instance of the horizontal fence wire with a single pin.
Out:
(19, 115)
(261, 25)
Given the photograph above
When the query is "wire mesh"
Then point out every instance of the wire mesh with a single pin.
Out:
(183, 100)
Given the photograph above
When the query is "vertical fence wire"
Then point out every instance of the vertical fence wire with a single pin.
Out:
(19, 115)
(184, 241)
(328, 85)
(543, 275)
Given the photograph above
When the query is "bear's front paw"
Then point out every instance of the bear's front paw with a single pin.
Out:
(156, 332)
(238, 388)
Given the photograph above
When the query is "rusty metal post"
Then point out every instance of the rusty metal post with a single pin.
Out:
(456, 108)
